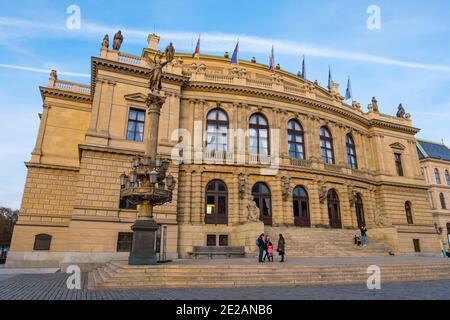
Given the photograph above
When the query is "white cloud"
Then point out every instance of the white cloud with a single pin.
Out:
(40, 70)
(214, 42)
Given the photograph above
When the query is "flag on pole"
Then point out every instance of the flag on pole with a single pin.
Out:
(348, 92)
(304, 68)
(330, 79)
(235, 57)
(196, 54)
(272, 60)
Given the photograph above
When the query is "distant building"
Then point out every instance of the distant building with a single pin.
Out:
(435, 167)
(305, 163)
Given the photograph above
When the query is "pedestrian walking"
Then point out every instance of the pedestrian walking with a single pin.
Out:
(363, 235)
(281, 247)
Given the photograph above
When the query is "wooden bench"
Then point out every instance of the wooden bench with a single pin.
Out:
(218, 251)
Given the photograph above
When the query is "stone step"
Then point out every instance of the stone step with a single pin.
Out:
(205, 276)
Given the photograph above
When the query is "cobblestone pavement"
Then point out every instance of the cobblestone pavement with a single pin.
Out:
(53, 287)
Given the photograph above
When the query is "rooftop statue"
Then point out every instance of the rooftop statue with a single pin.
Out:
(401, 113)
(170, 53)
(105, 42)
(375, 104)
(118, 39)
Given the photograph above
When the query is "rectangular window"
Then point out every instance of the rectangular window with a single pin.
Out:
(416, 243)
(124, 241)
(223, 240)
(211, 240)
(127, 205)
(135, 130)
(398, 164)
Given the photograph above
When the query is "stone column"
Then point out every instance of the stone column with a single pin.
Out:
(154, 104)
(106, 116)
(95, 106)
(37, 151)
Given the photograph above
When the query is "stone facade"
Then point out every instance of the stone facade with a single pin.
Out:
(72, 191)
(439, 190)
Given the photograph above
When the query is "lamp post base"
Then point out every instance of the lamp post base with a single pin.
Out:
(143, 248)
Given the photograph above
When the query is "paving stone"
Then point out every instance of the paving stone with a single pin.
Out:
(53, 287)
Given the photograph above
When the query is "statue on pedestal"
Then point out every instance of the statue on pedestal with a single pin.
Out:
(253, 212)
(375, 105)
(105, 42)
(170, 53)
(156, 71)
(401, 113)
(118, 39)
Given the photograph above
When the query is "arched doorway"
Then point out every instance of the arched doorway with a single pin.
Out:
(334, 211)
(301, 207)
(216, 203)
(359, 207)
(262, 197)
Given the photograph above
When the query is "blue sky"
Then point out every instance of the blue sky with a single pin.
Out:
(406, 61)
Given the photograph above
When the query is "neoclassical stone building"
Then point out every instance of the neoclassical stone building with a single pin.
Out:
(435, 168)
(242, 139)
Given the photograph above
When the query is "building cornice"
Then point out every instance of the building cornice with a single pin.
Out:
(65, 95)
(304, 101)
(128, 69)
(51, 166)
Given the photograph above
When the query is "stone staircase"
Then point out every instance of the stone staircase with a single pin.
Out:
(315, 242)
(232, 274)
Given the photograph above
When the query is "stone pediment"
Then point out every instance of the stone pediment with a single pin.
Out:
(397, 146)
(136, 97)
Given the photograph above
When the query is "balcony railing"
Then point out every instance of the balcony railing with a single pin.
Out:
(74, 87)
(301, 163)
(333, 167)
(260, 159)
(129, 58)
(218, 157)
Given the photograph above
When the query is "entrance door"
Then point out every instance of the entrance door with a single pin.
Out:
(334, 213)
(301, 208)
(359, 207)
(216, 203)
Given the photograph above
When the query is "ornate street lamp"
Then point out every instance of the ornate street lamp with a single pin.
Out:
(147, 184)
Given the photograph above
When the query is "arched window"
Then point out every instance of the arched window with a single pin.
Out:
(437, 176)
(443, 203)
(262, 197)
(408, 211)
(334, 211)
(326, 145)
(42, 242)
(351, 152)
(216, 203)
(295, 140)
(301, 207)
(216, 131)
(447, 177)
(359, 207)
(259, 135)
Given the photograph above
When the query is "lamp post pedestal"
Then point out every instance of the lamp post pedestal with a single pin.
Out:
(144, 242)
(147, 186)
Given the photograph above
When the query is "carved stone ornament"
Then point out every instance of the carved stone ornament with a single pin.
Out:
(242, 186)
(285, 188)
(381, 220)
(198, 67)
